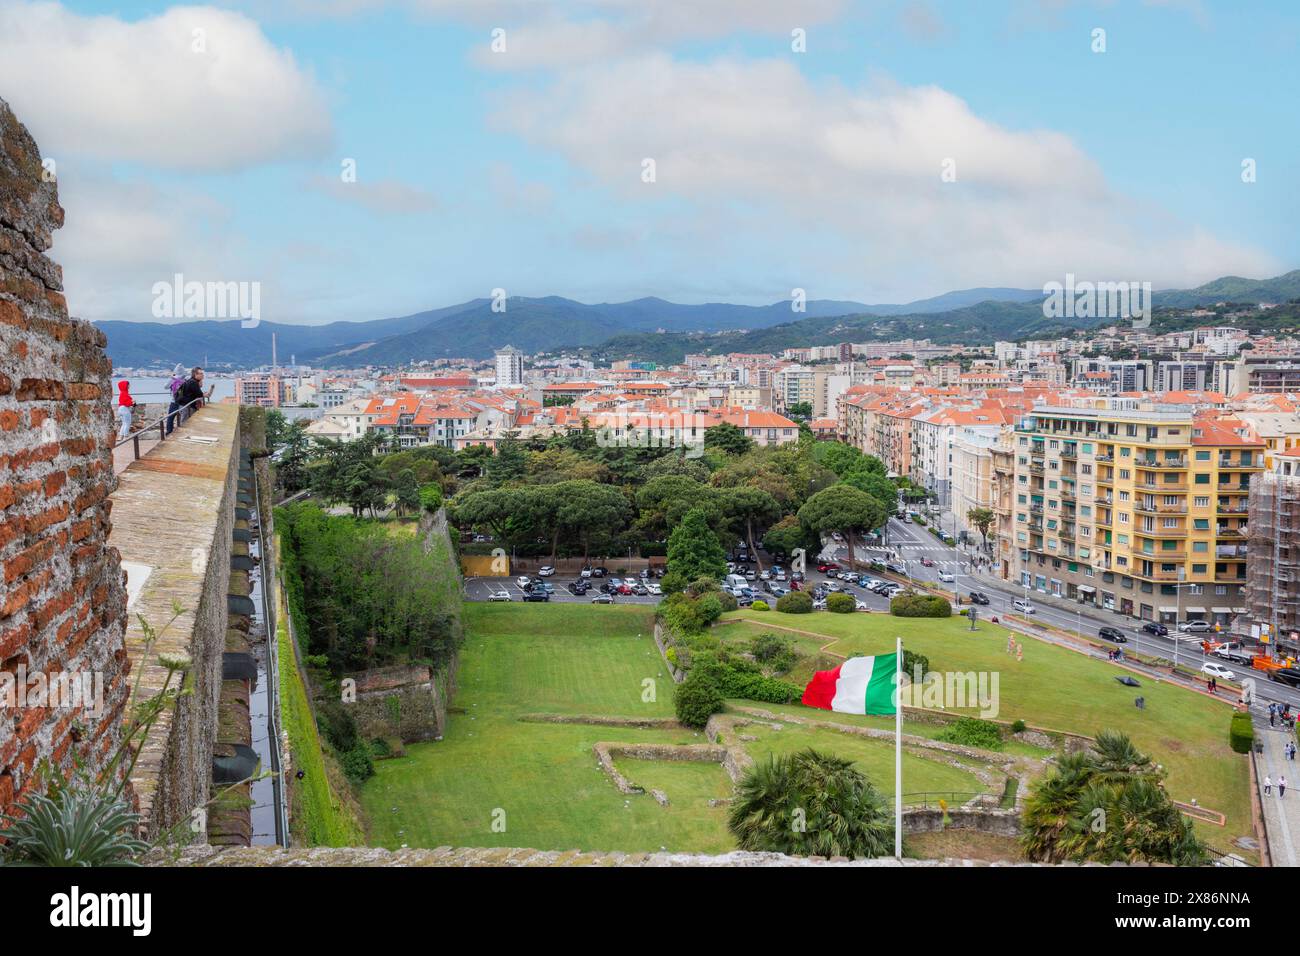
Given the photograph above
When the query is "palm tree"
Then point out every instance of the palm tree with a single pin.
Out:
(1107, 805)
(811, 804)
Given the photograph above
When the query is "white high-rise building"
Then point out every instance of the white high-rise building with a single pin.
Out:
(510, 367)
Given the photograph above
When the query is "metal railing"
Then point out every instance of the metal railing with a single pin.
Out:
(270, 580)
(929, 799)
(162, 427)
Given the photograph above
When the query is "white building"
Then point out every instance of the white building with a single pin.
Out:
(510, 367)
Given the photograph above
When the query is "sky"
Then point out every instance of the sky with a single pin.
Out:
(361, 159)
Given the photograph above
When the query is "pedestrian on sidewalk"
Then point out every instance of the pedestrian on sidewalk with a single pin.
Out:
(1268, 785)
(1281, 786)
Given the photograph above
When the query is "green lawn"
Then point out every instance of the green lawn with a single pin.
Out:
(1060, 689)
(577, 659)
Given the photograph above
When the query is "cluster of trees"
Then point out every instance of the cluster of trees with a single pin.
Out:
(362, 596)
(572, 495)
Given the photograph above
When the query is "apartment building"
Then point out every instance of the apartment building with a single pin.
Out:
(1273, 558)
(1135, 507)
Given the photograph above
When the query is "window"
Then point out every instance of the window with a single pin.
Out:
(1201, 501)
(1202, 479)
(1201, 524)
(1200, 546)
(1202, 456)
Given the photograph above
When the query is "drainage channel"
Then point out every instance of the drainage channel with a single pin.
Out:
(268, 811)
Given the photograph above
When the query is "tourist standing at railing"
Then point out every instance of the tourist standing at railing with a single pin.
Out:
(178, 379)
(125, 409)
(191, 393)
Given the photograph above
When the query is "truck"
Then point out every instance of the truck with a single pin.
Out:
(1233, 651)
(736, 582)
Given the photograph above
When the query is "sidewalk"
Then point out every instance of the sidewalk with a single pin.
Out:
(1281, 814)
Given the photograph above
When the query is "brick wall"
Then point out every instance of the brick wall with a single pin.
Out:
(62, 601)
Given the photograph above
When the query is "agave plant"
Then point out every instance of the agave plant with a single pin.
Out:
(74, 827)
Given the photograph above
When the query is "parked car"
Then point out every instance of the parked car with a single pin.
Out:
(778, 591)
(586, 570)
(751, 576)
(1196, 627)
(608, 587)
(599, 572)
(1023, 606)
(579, 587)
(499, 596)
(1156, 628)
(1112, 634)
(645, 574)
(523, 582)
(545, 571)
(625, 588)
(538, 595)
(640, 590)
(1217, 671)
(819, 604)
(828, 567)
(947, 577)
(765, 575)
(546, 586)
(603, 599)
(979, 597)
(796, 575)
(834, 586)
(927, 562)
(654, 589)
(863, 605)
(896, 568)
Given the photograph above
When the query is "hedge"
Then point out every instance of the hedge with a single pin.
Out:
(841, 603)
(796, 602)
(1241, 733)
(920, 605)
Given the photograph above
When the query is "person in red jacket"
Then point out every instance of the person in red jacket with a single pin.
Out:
(125, 409)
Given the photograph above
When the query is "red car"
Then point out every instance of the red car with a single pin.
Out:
(625, 588)
(823, 568)
(927, 563)
(796, 586)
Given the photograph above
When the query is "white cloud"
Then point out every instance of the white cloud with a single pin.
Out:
(155, 91)
(859, 171)
(390, 197)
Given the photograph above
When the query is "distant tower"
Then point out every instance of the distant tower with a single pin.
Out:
(510, 367)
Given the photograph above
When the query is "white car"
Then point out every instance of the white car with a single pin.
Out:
(586, 572)
(523, 582)
(780, 574)
(499, 596)
(863, 605)
(765, 576)
(835, 535)
(947, 576)
(654, 588)
(751, 576)
(545, 571)
(1217, 671)
(1023, 606)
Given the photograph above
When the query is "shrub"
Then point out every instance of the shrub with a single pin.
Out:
(728, 601)
(358, 764)
(761, 605)
(774, 651)
(972, 732)
(796, 602)
(1241, 733)
(841, 603)
(697, 699)
(920, 605)
(1018, 727)
(734, 677)
(912, 660)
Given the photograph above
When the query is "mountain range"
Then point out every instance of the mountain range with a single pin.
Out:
(650, 328)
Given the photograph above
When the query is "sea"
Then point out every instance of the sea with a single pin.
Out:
(154, 388)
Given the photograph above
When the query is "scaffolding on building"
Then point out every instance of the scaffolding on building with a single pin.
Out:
(1273, 555)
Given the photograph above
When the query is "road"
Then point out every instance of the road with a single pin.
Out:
(915, 542)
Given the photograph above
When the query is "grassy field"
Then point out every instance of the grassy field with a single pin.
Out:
(1059, 689)
(320, 815)
(543, 780)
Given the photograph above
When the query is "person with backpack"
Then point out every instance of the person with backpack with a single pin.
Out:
(178, 379)
(191, 394)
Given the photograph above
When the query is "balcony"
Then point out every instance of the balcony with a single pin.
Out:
(1036, 509)
(1237, 465)
(1036, 468)
(1149, 509)
(1231, 553)
(1107, 500)
(1160, 557)
(1229, 578)
(1225, 509)
(1164, 487)
(1066, 533)
(1107, 482)
(1036, 524)
(1157, 575)
(1161, 463)
(1106, 522)
(1069, 451)
(1104, 458)
(1067, 494)
(1226, 532)
(1157, 534)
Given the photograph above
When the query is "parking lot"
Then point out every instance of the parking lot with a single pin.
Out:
(478, 589)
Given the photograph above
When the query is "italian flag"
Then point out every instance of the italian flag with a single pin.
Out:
(861, 685)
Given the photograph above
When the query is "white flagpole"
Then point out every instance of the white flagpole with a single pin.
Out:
(898, 749)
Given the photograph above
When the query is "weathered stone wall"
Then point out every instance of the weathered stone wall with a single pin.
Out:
(62, 603)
